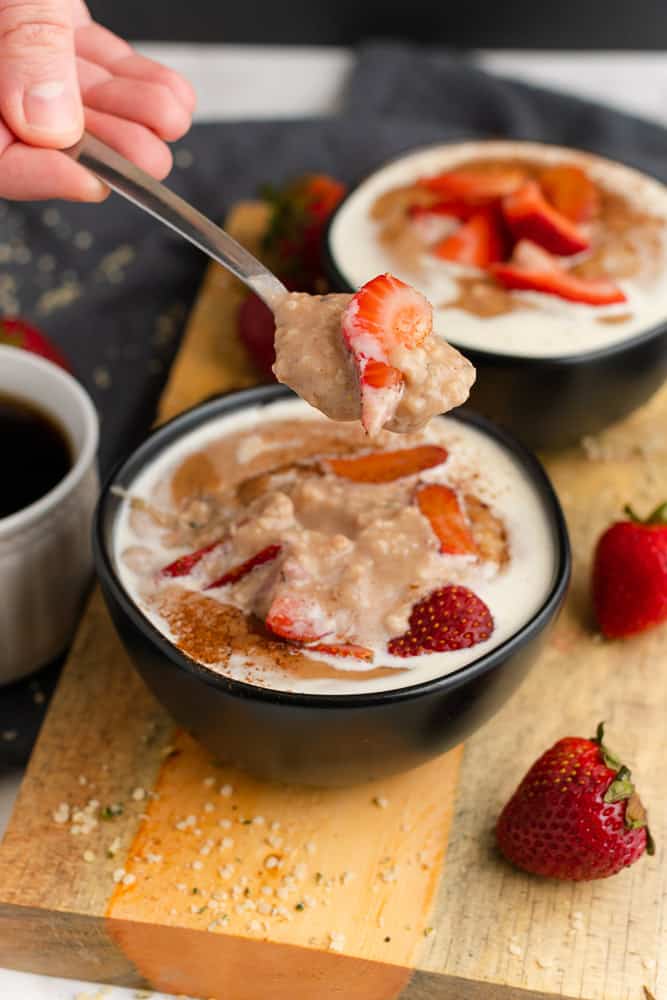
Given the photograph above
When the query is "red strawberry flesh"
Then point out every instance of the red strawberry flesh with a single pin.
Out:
(530, 216)
(474, 185)
(440, 505)
(384, 314)
(477, 243)
(184, 565)
(571, 192)
(534, 269)
(450, 618)
(381, 376)
(237, 573)
(387, 466)
(574, 816)
(298, 618)
(347, 649)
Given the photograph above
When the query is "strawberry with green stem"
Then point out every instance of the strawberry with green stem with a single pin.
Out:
(630, 574)
(292, 248)
(576, 815)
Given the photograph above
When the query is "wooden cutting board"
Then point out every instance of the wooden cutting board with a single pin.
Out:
(212, 884)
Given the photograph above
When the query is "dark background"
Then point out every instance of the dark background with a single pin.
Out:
(546, 24)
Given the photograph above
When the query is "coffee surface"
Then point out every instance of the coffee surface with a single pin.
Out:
(36, 453)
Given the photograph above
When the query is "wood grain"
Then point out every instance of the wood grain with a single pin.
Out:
(497, 934)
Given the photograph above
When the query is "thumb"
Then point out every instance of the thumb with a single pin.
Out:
(40, 100)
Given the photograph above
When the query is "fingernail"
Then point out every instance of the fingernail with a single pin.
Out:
(52, 106)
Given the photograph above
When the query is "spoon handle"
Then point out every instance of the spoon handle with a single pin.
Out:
(144, 191)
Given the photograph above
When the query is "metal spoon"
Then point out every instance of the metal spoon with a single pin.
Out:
(141, 189)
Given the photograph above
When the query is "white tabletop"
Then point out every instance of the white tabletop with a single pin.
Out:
(241, 82)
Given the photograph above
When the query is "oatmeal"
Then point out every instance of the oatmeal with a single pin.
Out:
(356, 358)
(449, 220)
(303, 556)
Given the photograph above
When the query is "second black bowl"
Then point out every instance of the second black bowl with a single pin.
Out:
(549, 401)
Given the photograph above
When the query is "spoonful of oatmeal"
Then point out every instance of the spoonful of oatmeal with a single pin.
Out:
(371, 356)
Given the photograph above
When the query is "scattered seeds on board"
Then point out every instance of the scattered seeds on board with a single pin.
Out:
(336, 941)
(102, 377)
(183, 158)
(58, 298)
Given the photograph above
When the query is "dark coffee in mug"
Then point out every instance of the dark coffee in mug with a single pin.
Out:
(35, 453)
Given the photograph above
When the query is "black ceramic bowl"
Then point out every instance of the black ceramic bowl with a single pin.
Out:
(548, 402)
(319, 739)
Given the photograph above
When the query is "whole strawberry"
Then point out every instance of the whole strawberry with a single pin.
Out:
(630, 574)
(576, 814)
(256, 329)
(18, 333)
(300, 212)
(292, 248)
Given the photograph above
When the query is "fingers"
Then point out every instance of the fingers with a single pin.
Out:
(149, 104)
(29, 173)
(80, 14)
(136, 67)
(102, 47)
(131, 140)
(39, 91)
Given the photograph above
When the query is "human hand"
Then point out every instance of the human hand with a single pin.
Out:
(61, 72)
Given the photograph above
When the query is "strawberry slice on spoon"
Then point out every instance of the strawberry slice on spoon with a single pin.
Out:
(385, 313)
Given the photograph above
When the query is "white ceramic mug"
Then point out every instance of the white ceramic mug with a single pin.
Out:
(45, 553)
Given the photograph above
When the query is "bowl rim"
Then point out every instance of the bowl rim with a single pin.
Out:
(219, 406)
(340, 283)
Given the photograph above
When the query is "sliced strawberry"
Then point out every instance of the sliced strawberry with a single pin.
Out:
(571, 192)
(345, 649)
(532, 269)
(477, 243)
(184, 565)
(257, 329)
(475, 185)
(386, 466)
(381, 376)
(298, 618)
(385, 313)
(530, 216)
(449, 618)
(238, 572)
(441, 506)
(18, 333)
(461, 210)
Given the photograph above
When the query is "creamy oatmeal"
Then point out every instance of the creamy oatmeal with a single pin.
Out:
(397, 220)
(290, 552)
